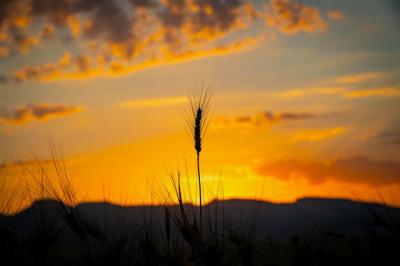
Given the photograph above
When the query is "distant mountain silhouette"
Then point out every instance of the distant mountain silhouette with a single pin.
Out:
(277, 221)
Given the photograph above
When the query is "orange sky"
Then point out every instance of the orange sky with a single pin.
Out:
(306, 96)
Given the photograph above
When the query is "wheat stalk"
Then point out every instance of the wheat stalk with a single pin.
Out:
(198, 121)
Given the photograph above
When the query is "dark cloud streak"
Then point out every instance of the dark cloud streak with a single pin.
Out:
(353, 170)
(389, 137)
(26, 113)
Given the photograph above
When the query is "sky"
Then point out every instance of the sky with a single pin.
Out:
(306, 96)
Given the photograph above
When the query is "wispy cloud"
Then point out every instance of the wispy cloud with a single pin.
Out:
(303, 92)
(354, 170)
(153, 102)
(353, 86)
(260, 119)
(82, 67)
(29, 112)
(374, 92)
(335, 15)
(314, 135)
(360, 77)
(388, 137)
(341, 92)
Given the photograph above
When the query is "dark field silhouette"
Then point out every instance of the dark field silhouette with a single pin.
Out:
(235, 232)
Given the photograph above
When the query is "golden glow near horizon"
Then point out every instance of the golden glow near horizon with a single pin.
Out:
(306, 98)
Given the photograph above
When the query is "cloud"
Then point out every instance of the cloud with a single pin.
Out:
(361, 77)
(25, 42)
(111, 22)
(4, 52)
(374, 92)
(26, 113)
(314, 135)
(354, 170)
(260, 119)
(121, 22)
(335, 15)
(293, 16)
(388, 137)
(47, 31)
(342, 92)
(13, 14)
(81, 67)
(343, 87)
(354, 86)
(299, 93)
(154, 102)
(121, 37)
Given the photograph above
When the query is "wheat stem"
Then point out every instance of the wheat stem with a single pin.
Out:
(200, 196)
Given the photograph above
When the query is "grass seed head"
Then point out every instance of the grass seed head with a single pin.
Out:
(198, 115)
(197, 130)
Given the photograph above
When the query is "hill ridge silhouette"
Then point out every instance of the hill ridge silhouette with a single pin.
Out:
(276, 220)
